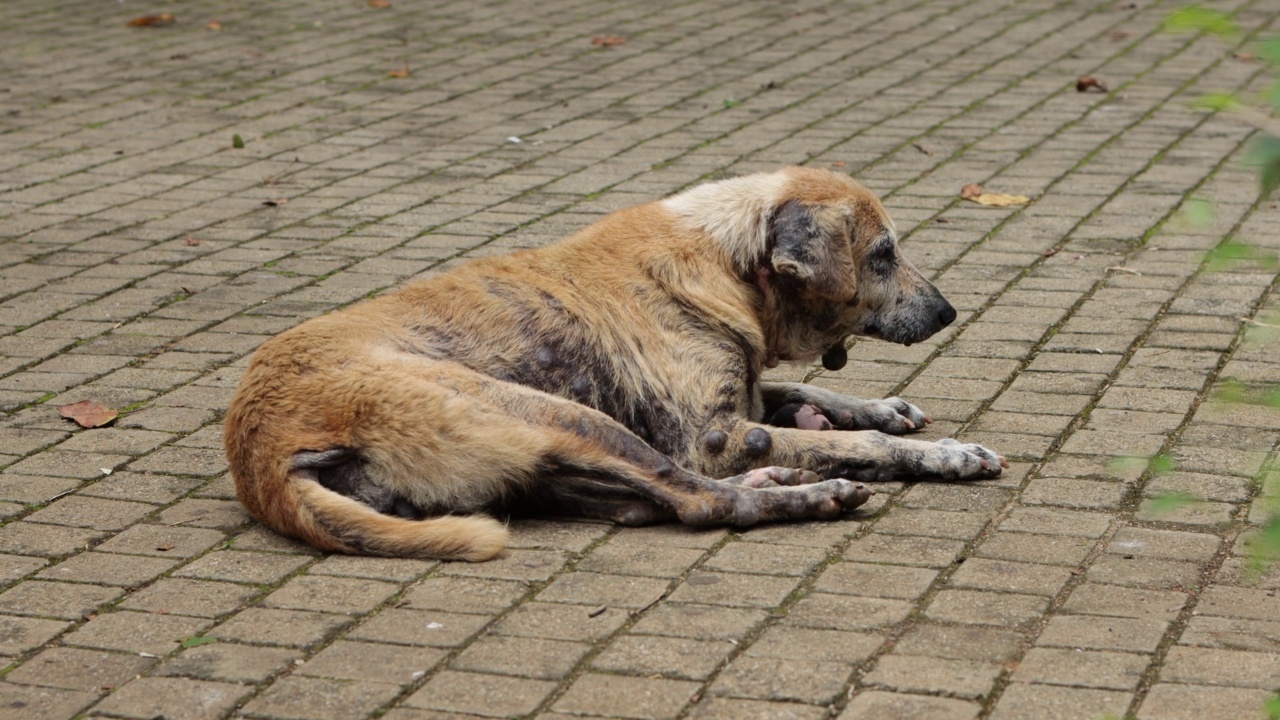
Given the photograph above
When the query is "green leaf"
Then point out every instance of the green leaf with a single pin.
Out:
(1201, 19)
(1161, 464)
(1197, 212)
(1269, 50)
(1233, 253)
(237, 142)
(732, 103)
(1168, 502)
(1126, 464)
(197, 641)
(1216, 101)
(1264, 153)
(1272, 707)
(1264, 547)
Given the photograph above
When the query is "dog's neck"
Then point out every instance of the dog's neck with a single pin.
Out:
(735, 214)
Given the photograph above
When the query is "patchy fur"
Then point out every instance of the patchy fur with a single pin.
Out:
(613, 375)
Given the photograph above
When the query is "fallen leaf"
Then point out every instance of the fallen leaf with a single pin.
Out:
(1089, 82)
(403, 72)
(164, 548)
(193, 241)
(1000, 199)
(597, 612)
(88, 414)
(514, 140)
(237, 142)
(380, 4)
(971, 191)
(608, 40)
(149, 20)
(839, 164)
(1118, 35)
(922, 148)
(276, 202)
(214, 25)
(1244, 57)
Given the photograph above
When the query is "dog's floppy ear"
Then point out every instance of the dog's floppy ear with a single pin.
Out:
(803, 250)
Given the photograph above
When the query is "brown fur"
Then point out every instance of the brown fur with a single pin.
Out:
(614, 374)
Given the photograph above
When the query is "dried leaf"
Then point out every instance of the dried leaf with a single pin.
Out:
(214, 25)
(608, 40)
(403, 72)
(971, 191)
(149, 20)
(88, 414)
(1245, 57)
(276, 202)
(380, 4)
(1089, 82)
(839, 164)
(164, 548)
(1118, 35)
(193, 241)
(1000, 199)
(922, 148)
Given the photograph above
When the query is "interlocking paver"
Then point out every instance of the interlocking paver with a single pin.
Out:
(139, 266)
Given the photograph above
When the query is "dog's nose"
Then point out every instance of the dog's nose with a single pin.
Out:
(947, 314)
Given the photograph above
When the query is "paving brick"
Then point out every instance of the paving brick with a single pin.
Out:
(904, 550)
(419, 627)
(41, 703)
(1141, 635)
(371, 662)
(267, 626)
(776, 679)
(229, 662)
(985, 608)
(1093, 599)
(20, 634)
(1169, 701)
(304, 697)
(562, 622)
(1007, 576)
(78, 669)
(331, 594)
(654, 655)
(107, 569)
(67, 601)
(162, 541)
(520, 656)
(244, 567)
(176, 596)
(723, 708)
(881, 705)
(1022, 701)
(889, 581)
(178, 698)
(746, 557)
(966, 679)
(626, 697)
(136, 632)
(468, 595)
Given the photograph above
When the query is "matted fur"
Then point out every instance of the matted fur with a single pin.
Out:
(614, 374)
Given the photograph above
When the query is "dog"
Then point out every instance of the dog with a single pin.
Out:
(614, 375)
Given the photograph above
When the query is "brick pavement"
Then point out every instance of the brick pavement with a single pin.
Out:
(143, 256)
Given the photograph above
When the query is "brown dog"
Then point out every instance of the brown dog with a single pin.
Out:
(614, 374)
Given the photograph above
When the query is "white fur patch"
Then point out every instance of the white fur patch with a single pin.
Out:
(733, 212)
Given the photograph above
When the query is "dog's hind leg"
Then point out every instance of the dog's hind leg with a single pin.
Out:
(587, 445)
(791, 404)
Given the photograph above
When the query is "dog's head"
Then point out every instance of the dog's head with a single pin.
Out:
(832, 268)
(822, 252)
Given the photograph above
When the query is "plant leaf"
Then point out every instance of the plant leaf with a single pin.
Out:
(88, 414)
(197, 641)
(1168, 502)
(1216, 101)
(1201, 19)
(1264, 152)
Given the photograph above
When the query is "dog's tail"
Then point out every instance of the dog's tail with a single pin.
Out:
(335, 522)
(291, 500)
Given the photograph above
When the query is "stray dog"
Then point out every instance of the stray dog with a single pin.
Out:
(613, 375)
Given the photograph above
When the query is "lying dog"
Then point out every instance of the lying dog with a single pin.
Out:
(613, 375)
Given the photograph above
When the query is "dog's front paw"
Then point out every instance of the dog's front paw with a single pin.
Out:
(967, 461)
(891, 415)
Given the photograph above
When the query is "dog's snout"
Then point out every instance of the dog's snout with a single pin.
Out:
(946, 315)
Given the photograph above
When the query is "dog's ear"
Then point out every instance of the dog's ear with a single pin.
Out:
(802, 249)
